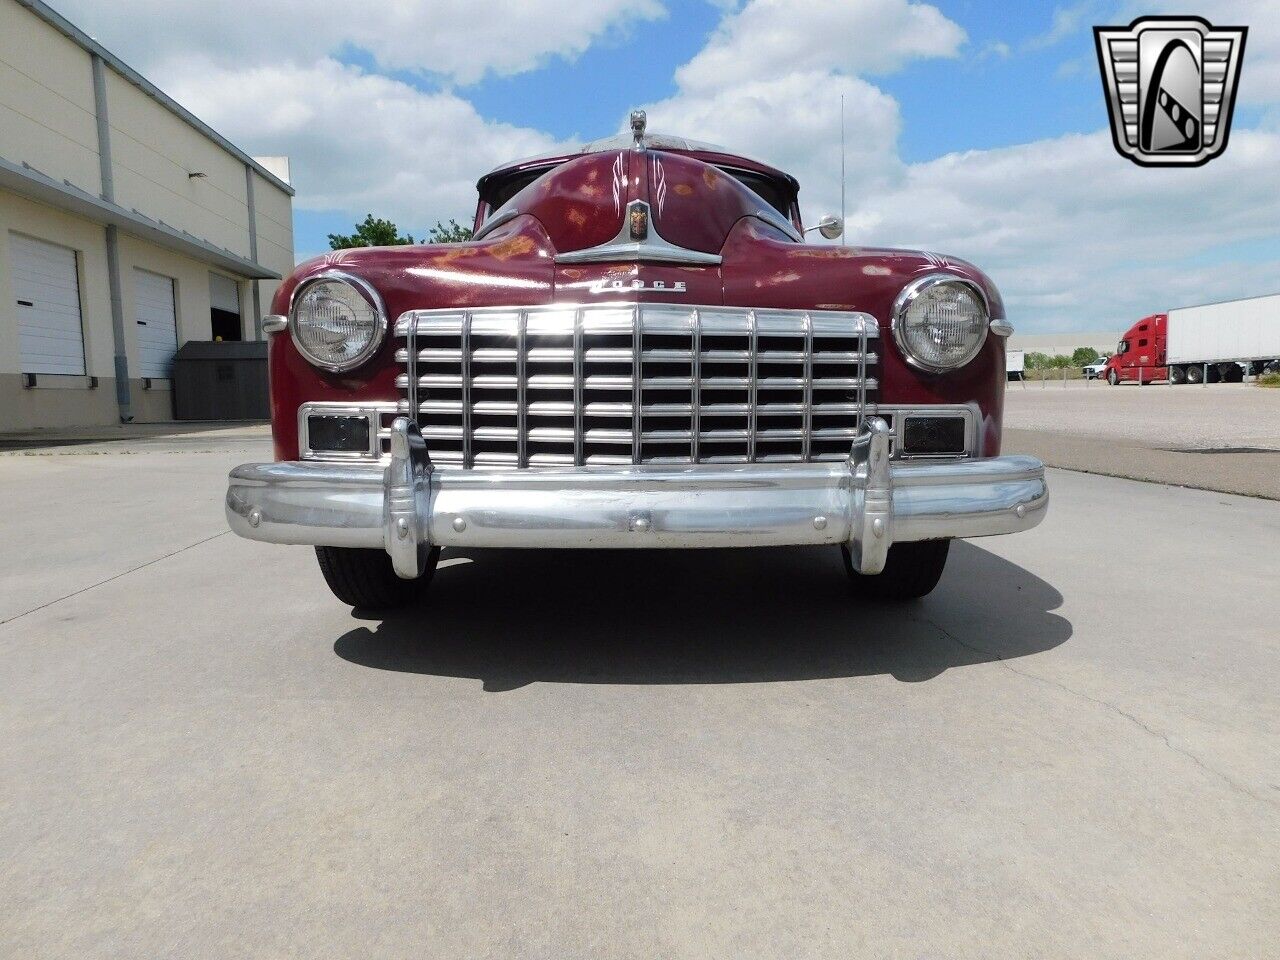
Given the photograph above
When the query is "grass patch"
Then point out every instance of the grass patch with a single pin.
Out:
(1269, 380)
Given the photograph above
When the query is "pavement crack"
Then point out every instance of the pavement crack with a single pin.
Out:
(1113, 708)
(115, 576)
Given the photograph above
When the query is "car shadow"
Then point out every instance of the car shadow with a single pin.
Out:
(511, 618)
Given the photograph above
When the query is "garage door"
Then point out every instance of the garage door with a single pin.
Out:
(157, 323)
(46, 285)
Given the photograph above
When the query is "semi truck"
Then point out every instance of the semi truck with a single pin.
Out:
(1216, 342)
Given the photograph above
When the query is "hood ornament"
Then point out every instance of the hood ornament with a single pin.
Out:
(639, 242)
(639, 119)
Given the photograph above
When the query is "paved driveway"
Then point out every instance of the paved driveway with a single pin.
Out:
(1068, 750)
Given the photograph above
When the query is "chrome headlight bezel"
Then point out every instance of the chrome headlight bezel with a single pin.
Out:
(366, 291)
(908, 296)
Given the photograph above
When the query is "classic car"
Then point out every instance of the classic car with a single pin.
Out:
(637, 349)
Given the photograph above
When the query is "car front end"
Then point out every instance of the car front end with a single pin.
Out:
(636, 353)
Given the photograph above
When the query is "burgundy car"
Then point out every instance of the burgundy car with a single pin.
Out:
(637, 349)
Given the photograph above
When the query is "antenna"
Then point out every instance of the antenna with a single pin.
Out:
(842, 162)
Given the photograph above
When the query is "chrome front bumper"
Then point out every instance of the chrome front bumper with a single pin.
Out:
(407, 507)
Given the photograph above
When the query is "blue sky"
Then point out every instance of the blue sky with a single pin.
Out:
(976, 128)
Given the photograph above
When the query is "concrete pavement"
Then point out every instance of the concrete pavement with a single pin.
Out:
(1067, 750)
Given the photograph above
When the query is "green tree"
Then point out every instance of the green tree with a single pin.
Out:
(371, 233)
(1038, 361)
(451, 232)
(1083, 356)
(1061, 360)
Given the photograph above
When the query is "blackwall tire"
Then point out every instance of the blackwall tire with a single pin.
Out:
(1177, 375)
(1195, 374)
(1112, 378)
(365, 579)
(911, 572)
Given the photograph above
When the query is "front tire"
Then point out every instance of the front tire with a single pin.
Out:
(366, 579)
(1112, 378)
(911, 571)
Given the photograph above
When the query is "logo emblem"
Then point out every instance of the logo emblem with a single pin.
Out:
(1170, 84)
(636, 285)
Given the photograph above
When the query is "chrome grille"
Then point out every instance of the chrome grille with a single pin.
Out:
(636, 383)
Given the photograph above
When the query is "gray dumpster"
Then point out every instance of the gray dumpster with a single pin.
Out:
(223, 380)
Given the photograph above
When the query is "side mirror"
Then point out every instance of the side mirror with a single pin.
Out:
(829, 226)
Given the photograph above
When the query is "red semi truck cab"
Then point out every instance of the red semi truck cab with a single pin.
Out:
(1140, 354)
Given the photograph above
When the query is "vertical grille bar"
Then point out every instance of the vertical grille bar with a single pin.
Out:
(806, 442)
(411, 368)
(465, 344)
(578, 386)
(752, 356)
(637, 381)
(522, 390)
(695, 392)
(862, 374)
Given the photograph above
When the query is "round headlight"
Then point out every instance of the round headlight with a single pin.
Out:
(940, 322)
(338, 321)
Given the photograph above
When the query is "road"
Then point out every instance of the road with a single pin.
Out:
(1067, 750)
(1223, 437)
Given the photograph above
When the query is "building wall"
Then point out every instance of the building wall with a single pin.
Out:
(153, 152)
(71, 401)
(48, 121)
(274, 213)
(47, 115)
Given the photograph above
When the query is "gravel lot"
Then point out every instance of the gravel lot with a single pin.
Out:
(1222, 437)
(1067, 750)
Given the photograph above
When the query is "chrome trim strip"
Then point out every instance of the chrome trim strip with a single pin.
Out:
(652, 249)
(775, 219)
(497, 220)
(913, 290)
(366, 290)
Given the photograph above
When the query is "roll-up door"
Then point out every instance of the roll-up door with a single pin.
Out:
(157, 323)
(46, 285)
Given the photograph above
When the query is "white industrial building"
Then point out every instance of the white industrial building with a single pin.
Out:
(1063, 344)
(127, 227)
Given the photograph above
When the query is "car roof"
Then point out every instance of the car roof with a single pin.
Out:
(708, 152)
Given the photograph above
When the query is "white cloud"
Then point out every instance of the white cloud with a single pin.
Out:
(361, 142)
(769, 38)
(770, 80)
(1075, 235)
(793, 122)
(459, 39)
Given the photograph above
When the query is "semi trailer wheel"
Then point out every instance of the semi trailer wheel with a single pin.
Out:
(1195, 374)
(1177, 375)
(365, 578)
(912, 570)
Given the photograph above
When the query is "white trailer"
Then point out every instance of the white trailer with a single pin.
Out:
(1015, 364)
(1239, 331)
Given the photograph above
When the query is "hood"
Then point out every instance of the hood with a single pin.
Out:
(691, 204)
